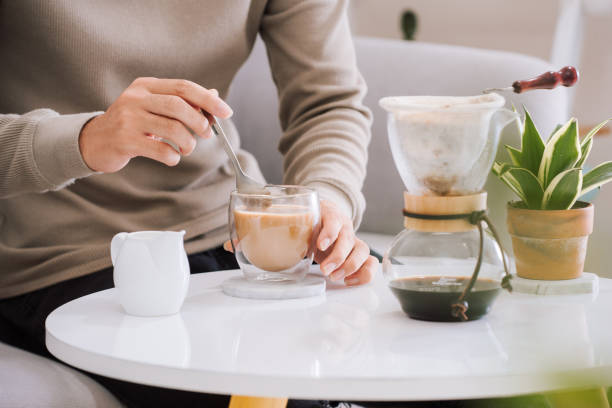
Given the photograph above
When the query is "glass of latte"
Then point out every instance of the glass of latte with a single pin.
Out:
(273, 234)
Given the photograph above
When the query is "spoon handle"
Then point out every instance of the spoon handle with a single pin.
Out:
(244, 183)
(218, 131)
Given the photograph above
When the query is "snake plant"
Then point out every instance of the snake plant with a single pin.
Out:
(549, 176)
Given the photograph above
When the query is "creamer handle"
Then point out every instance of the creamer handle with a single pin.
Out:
(116, 244)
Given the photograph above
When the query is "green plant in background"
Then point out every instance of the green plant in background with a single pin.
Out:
(550, 176)
(409, 22)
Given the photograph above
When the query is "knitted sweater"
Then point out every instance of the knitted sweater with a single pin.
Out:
(64, 61)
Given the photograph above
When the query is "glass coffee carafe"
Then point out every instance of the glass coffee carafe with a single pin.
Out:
(445, 265)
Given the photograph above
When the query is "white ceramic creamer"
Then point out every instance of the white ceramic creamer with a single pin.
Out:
(151, 271)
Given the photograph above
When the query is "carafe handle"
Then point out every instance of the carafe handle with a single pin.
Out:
(503, 117)
(500, 119)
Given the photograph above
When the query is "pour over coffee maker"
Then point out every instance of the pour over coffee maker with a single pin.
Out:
(445, 265)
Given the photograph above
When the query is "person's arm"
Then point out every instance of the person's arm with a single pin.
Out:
(326, 127)
(39, 151)
(42, 150)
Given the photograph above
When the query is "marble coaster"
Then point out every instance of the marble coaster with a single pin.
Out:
(587, 283)
(238, 286)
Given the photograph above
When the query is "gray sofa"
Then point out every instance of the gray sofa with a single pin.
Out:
(390, 68)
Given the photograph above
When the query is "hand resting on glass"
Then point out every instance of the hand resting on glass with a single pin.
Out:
(340, 253)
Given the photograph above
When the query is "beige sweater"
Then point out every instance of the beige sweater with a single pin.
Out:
(65, 61)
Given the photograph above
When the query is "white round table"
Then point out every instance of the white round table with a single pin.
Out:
(351, 343)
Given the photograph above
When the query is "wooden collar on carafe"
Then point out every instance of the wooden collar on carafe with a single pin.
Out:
(442, 205)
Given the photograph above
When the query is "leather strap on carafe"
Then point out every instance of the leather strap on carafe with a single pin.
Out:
(442, 213)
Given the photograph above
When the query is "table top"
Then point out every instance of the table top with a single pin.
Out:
(351, 343)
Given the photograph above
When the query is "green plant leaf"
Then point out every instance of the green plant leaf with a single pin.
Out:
(523, 182)
(515, 155)
(532, 146)
(563, 190)
(497, 166)
(585, 149)
(597, 177)
(593, 131)
(529, 185)
(498, 169)
(561, 153)
(587, 142)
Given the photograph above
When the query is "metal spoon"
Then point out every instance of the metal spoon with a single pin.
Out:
(244, 183)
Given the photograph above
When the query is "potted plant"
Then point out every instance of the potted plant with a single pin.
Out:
(549, 226)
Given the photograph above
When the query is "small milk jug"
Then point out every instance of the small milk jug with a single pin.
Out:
(151, 271)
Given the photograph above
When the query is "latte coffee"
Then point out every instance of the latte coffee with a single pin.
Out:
(276, 238)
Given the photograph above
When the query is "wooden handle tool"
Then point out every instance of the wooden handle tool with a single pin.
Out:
(566, 76)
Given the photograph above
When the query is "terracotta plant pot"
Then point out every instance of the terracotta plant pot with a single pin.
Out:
(550, 244)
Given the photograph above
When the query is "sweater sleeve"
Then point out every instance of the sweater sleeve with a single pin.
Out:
(39, 151)
(326, 127)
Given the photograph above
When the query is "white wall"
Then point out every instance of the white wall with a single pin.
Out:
(479, 23)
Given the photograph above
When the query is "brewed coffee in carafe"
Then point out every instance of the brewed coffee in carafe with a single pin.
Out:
(445, 265)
